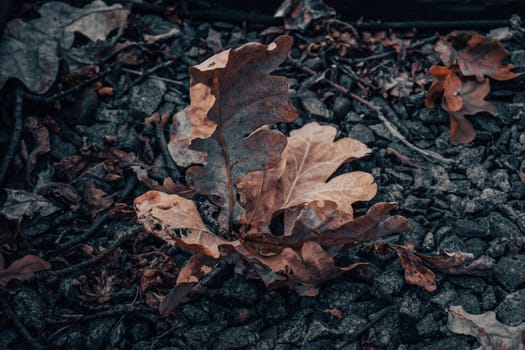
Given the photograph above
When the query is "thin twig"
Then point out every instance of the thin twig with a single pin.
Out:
(144, 76)
(170, 164)
(412, 46)
(115, 311)
(17, 132)
(463, 24)
(167, 80)
(393, 130)
(76, 88)
(20, 327)
(78, 267)
(130, 186)
(357, 333)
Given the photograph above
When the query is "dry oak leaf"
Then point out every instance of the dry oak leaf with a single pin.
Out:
(162, 213)
(237, 93)
(310, 158)
(447, 84)
(22, 269)
(491, 333)
(475, 56)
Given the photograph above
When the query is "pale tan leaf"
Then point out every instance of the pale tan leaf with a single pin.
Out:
(312, 156)
(163, 213)
(491, 333)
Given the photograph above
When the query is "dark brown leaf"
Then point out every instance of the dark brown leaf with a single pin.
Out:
(22, 269)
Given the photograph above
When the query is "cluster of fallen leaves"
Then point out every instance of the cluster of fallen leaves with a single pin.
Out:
(282, 214)
(469, 61)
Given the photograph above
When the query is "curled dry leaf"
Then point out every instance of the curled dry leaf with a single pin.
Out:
(475, 56)
(22, 269)
(466, 55)
(238, 143)
(491, 333)
(309, 159)
(162, 214)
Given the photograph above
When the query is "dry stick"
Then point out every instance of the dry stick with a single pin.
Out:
(143, 77)
(20, 327)
(69, 91)
(77, 267)
(130, 186)
(17, 132)
(354, 335)
(115, 311)
(170, 164)
(393, 130)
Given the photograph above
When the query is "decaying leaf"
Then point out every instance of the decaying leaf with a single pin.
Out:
(311, 157)
(21, 204)
(470, 59)
(475, 55)
(22, 269)
(29, 51)
(162, 214)
(239, 143)
(415, 264)
(256, 175)
(490, 333)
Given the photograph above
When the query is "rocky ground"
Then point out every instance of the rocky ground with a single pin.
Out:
(107, 274)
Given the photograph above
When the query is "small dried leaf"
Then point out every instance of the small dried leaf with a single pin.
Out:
(491, 334)
(162, 213)
(416, 273)
(22, 269)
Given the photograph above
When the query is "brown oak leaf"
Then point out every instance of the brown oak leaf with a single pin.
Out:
(229, 98)
(311, 157)
(475, 56)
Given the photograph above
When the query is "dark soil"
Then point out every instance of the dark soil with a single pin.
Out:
(92, 297)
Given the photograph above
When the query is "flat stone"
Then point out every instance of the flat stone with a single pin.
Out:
(510, 272)
(457, 342)
(511, 311)
(427, 327)
(387, 285)
(362, 133)
(471, 228)
(478, 175)
(493, 196)
(236, 338)
(144, 99)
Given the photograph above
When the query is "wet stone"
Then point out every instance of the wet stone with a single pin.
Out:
(428, 242)
(117, 333)
(478, 175)
(469, 157)
(476, 247)
(194, 314)
(116, 116)
(511, 311)
(144, 99)
(98, 332)
(501, 226)
(341, 295)
(341, 107)
(428, 327)
(501, 180)
(97, 132)
(294, 333)
(497, 247)
(362, 133)
(457, 342)
(236, 338)
(451, 244)
(29, 307)
(318, 329)
(469, 302)
(387, 285)
(493, 197)
(273, 306)
(471, 228)
(510, 272)
(350, 324)
(139, 331)
(313, 105)
(71, 340)
(445, 297)
(488, 299)
(473, 283)
(238, 290)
